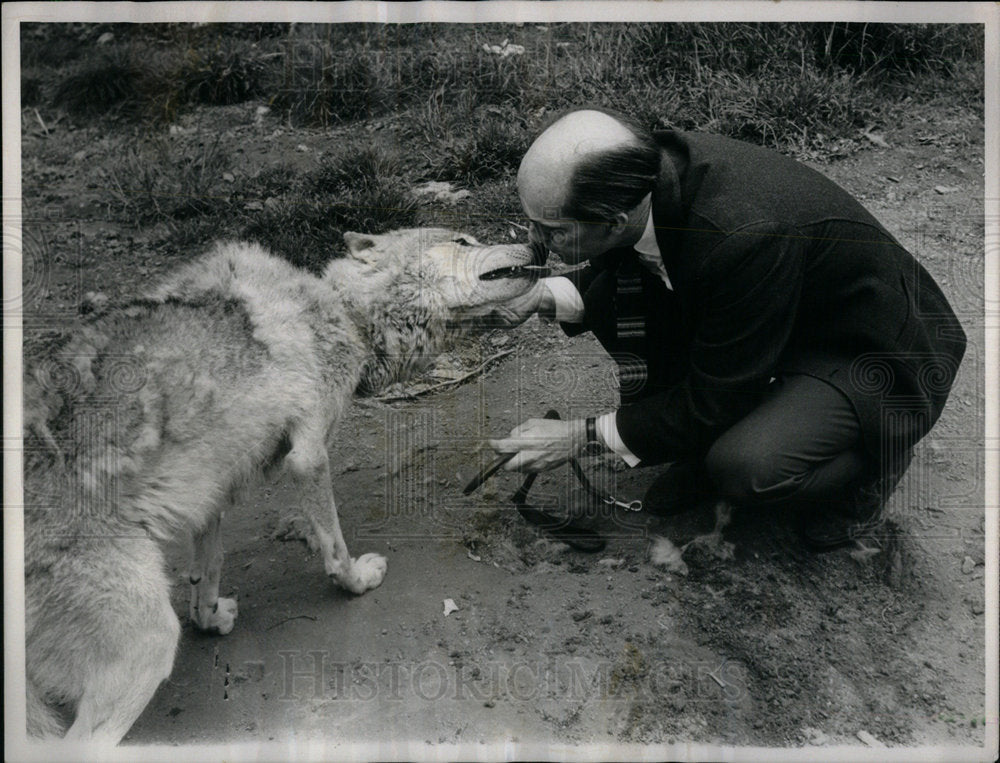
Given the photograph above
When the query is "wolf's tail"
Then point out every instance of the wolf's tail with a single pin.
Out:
(43, 721)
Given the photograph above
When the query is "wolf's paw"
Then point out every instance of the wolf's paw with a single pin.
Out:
(220, 620)
(710, 546)
(365, 574)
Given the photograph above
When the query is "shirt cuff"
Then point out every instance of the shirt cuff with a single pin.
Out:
(608, 430)
(569, 303)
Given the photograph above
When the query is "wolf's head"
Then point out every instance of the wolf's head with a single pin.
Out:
(412, 285)
(466, 277)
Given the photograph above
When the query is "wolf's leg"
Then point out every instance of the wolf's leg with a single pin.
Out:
(120, 649)
(310, 465)
(209, 612)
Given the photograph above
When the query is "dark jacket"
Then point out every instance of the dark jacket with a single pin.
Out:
(776, 269)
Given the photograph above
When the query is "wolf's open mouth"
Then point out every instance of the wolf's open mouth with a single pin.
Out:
(517, 271)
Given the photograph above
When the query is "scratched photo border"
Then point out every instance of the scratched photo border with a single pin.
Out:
(16, 746)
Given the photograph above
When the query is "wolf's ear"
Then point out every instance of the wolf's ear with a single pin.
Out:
(359, 245)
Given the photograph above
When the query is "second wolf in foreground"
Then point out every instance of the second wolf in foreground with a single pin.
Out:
(146, 424)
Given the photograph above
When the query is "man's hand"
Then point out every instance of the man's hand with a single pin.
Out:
(542, 444)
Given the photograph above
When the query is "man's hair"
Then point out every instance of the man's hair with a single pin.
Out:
(608, 182)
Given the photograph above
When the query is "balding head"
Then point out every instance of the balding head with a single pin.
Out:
(588, 165)
(544, 176)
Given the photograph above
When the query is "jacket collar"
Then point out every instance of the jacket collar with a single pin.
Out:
(667, 207)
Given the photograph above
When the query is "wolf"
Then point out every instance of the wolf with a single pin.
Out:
(153, 417)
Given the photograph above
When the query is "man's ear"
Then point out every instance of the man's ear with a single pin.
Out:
(618, 223)
(359, 246)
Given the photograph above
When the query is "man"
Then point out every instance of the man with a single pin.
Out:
(775, 343)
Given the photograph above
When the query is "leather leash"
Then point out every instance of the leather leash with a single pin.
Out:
(565, 529)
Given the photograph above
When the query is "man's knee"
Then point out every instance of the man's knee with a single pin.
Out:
(743, 474)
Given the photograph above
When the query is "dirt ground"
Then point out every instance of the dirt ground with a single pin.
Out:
(776, 647)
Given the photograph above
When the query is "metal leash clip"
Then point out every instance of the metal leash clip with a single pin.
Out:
(635, 505)
(610, 500)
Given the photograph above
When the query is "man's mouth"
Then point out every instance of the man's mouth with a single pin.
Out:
(516, 271)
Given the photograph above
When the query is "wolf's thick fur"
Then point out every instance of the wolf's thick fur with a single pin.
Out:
(151, 418)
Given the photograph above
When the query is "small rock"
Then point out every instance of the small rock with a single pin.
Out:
(978, 606)
(504, 49)
(302, 147)
(440, 191)
(105, 38)
(94, 302)
(815, 736)
(943, 189)
(868, 739)
(578, 616)
(229, 177)
(449, 607)
(875, 138)
(968, 565)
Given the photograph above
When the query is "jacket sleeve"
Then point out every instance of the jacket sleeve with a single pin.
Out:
(746, 297)
(583, 278)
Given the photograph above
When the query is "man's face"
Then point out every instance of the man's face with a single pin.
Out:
(572, 240)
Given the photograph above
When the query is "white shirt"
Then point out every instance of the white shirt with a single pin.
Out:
(569, 309)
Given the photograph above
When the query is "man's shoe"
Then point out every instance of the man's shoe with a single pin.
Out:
(862, 515)
(675, 491)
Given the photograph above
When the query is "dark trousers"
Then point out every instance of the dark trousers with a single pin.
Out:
(802, 444)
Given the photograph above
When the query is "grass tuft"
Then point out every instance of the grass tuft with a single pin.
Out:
(98, 87)
(157, 182)
(321, 85)
(357, 189)
(224, 75)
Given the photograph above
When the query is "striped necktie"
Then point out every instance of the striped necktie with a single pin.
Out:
(630, 316)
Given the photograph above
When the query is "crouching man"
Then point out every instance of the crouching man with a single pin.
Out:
(775, 343)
